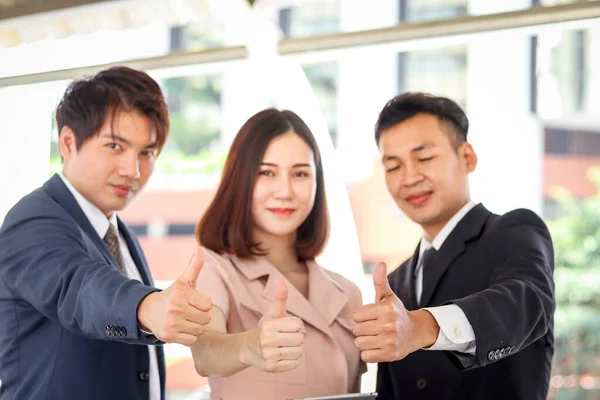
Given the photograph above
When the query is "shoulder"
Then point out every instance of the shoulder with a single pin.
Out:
(346, 286)
(521, 216)
(217, 263)
(519, 221)
(519, 231)
(214, 259)
(36, 207)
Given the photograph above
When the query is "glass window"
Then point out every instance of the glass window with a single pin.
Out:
(323, 80)
(193, 146)
(310, 19)
(563, 70)
(431, 10)
(438, 71)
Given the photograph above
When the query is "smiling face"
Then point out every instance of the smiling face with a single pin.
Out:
(425, 173)
(111, 168)
(284, 192)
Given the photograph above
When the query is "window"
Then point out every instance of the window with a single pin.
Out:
(437, 71)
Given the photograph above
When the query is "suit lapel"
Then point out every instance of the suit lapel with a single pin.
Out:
(326, 299)
(407, 286)
(297, 304)
(469, 227)
(325, 295)
(56, 188)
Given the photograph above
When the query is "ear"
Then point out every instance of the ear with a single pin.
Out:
(67, 144)
(469, 157)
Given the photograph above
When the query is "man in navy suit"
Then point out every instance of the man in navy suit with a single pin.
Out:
(470, 314)
(79, 316)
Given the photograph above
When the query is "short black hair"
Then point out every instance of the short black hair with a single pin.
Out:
(409, 104)
(89, 100)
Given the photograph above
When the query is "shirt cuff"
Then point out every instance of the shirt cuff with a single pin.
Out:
(456, 332)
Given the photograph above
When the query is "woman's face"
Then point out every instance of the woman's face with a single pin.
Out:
(284, 192)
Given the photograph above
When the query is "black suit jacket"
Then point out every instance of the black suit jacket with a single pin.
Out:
(68, 323)
(499, 271)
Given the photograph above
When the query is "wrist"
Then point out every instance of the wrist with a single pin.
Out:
(426, 328)
(144, 312)
(247, 347)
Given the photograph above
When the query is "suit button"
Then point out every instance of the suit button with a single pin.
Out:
(107, 330)
(421, 383)
(123, 331)
(491, 355)
(496, 354)
(501, 353)
(118, 331)
(143, 376)
(112, 331)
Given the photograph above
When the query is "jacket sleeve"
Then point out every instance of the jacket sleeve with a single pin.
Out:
(518, 306)
(44, 261)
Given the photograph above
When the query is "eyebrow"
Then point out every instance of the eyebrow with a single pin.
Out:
(422, 147)
(267, 164)
(125, 141)
(416, 149)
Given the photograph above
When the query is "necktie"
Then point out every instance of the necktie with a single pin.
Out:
(423, 263)
(112, 242)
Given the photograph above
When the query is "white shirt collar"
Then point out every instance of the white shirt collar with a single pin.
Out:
(94, 215)
(441, 237)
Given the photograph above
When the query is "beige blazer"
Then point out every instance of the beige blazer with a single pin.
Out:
(244, 290)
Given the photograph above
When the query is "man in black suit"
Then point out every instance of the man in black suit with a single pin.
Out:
(470, 314)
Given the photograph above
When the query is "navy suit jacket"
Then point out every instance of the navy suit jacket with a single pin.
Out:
(68, 316)
(499, 271)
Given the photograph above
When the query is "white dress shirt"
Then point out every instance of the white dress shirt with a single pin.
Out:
(456, 332)
(100, 224)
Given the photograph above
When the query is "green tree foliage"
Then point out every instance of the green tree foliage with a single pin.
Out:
(576, 237)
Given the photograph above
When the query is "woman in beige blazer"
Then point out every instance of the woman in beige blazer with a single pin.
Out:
(281, 325)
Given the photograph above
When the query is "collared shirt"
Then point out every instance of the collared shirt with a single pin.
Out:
(100, 224)
(244, 289)
(456, 332)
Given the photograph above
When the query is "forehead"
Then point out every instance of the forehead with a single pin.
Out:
(288, 148)
(415, 131)
(129, 125)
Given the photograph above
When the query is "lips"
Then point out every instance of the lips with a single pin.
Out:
(417, 199)
(282, 212)
(123, 190)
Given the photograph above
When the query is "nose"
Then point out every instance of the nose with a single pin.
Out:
(284, 188)
(412, 174)
(130, 166)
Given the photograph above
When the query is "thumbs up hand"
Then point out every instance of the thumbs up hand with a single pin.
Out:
(179, 313)
(276, 344)
(386, 330)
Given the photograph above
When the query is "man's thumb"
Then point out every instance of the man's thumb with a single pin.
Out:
(277, 309)
(380, 281)
(190, 275)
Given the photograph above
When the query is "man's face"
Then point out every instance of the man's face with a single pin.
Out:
(112, 167)
(424, 173)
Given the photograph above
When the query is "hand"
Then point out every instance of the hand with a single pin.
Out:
(179, 313)
(385, 330)
(276, 344)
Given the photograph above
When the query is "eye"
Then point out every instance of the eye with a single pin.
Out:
(422, 160)
(392, 169)
(114, 146)
(266, 173)
(300, 174)
(147, 153)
